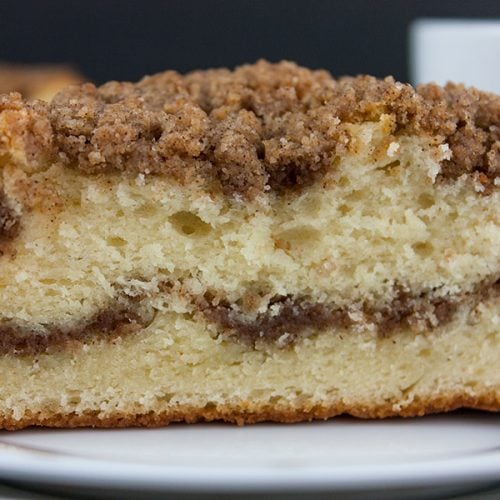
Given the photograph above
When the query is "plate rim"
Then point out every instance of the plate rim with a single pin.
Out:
(50, 467)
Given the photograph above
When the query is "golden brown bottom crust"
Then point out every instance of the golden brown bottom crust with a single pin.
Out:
(248, 413)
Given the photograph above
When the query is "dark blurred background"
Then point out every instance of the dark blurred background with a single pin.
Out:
(125, 39)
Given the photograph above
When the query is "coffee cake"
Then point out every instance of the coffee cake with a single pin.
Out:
(268, 243)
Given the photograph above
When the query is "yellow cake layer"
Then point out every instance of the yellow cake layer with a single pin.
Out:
(174, 369)
(380, 219)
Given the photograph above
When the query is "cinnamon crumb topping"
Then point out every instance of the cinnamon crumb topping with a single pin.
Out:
(260, 127)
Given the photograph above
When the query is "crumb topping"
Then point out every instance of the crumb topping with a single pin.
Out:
(260, 127)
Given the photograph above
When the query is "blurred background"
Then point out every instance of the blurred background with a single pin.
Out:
(125, 39)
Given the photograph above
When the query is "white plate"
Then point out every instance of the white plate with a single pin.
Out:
(339, 455)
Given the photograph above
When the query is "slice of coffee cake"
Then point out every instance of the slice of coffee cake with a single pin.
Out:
(262, 244)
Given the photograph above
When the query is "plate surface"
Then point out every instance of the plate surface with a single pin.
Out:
(343, 454)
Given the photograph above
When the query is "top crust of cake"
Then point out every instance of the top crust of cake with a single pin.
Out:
(262, 127)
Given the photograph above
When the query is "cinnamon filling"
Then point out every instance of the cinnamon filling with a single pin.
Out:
(108, 324)
(9, 219)
(285, 321)
(294, 316)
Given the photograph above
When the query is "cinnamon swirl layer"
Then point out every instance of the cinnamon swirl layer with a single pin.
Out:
(284, 322)
(9, 219)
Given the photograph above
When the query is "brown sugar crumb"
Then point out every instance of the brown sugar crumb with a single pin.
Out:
(260, 127)
(470, 120)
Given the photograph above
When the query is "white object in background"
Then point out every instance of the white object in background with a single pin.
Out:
(465, 51)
